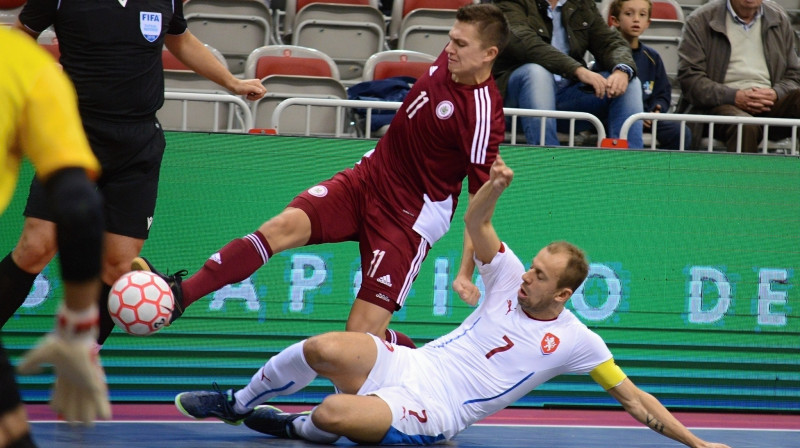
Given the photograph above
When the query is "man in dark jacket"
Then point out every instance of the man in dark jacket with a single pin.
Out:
(739, 59)
(543, 66)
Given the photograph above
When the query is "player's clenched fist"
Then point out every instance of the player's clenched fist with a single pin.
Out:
(80, 393)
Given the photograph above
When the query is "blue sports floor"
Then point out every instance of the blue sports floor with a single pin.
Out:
(156, 426)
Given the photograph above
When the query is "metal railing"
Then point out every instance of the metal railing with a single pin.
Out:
(242, 113)
(369, 106)
(711, 120)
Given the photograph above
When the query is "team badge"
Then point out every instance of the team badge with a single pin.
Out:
(549, 343)
(318, 191)
(444, 110)
(150, 25)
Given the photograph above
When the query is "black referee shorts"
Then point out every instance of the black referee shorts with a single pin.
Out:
(130, 154)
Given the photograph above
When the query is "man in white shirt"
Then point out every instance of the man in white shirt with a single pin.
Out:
(519, 337)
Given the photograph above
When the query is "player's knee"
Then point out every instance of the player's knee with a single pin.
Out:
(330, 415)
(36, 246)
(289, 229)
(320, 351)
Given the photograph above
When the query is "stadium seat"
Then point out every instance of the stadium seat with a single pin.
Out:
(289, 71)
(349, 34)
(9, 10)
(424, 24)
(387, 64)
(234, 27)
(179, 76)
(402, 8)
(292, 7)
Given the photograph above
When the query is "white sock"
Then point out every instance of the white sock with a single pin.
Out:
(284, 374)
(307, 430)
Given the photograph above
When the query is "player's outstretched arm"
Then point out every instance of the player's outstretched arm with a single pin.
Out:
(189, 50)
(648, 410)
(478, 218)
(462, 284)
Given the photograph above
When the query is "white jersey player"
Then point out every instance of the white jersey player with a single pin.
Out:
(518, 338)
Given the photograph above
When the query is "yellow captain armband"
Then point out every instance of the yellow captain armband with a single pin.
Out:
(608, 374)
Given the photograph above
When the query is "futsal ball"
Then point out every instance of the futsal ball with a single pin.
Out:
(140, 303)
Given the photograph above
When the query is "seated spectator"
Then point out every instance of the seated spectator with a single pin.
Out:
(738, 58)
(632, 18)
(543, 67)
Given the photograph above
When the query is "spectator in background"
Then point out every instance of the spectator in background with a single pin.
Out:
(738, 58)
(112, 53)
(543, 66)
(632, 18)
(39, 120)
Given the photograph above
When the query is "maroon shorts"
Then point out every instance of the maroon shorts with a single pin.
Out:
(343, 209)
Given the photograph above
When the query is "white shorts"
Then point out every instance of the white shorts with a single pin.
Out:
(420, 411)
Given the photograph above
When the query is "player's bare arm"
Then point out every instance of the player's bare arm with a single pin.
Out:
(190, 51)
(478, 217)
(649, 411)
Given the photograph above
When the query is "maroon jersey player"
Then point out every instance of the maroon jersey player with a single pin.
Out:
(399, 199)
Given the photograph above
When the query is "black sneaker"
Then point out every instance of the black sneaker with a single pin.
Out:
(205, 404)
(174, 282)
(271, 420)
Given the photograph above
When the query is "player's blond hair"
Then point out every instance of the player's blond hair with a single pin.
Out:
(577, 267)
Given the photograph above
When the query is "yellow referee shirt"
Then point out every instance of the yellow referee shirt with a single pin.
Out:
(38, 115)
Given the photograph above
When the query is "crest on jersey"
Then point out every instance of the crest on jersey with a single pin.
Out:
(549, 343)
(444, 110)
(150, 25)
(319, 191)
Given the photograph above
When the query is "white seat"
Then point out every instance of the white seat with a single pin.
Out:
(426, 30)
(234, 27)
(292, 7)
(401, 8)
(397, 63)
(9, 11)
(289, 60)
(322, 121)
(289, 71)
(349, 34)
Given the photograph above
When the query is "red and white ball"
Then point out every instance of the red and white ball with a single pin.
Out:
(140, 303)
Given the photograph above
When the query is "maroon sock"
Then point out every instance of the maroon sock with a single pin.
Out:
(233, 263)
(398, 338)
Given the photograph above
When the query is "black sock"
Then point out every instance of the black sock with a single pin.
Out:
(106, 324)
(15, 285)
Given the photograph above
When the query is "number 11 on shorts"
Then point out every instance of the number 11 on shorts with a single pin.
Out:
(377, 257)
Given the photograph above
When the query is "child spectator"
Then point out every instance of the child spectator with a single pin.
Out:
(632, 18)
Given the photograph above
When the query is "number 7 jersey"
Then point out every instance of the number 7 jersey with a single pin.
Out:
(443, 132)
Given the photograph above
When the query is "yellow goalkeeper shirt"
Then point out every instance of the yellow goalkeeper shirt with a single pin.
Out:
(38, 115)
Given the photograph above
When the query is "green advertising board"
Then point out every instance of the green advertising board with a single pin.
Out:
(693, 281)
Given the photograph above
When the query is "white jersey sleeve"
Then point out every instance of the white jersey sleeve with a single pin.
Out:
(589, 352)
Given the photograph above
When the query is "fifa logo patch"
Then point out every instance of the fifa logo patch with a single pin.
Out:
(549, 343)
(319, 191)
(150, 25)
(444, 110)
